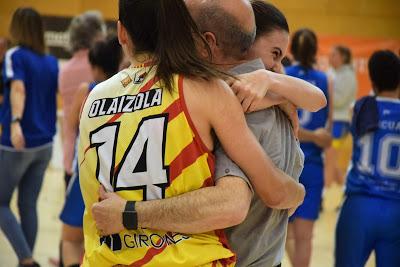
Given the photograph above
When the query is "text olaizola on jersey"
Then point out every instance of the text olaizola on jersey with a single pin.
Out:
(126, 103)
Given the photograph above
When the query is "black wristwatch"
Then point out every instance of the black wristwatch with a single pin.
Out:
(129, 216)
(15, 119)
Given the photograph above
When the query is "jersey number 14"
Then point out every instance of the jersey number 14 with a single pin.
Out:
(142, 165)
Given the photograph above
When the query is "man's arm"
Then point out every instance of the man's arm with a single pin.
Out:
(223, 205)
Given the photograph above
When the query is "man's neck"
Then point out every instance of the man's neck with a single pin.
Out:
(228, 64)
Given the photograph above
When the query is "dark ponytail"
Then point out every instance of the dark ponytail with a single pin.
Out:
(304, 47)
(166, 29)
(107, 55)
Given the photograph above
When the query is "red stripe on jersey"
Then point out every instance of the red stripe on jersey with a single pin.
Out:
(224, 241)
(150, 254)
(208, 182)
(186, 158)
(84, 154)
(173, 110)
(149, 84)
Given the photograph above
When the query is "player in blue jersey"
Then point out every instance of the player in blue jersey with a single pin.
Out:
(370, 216)
(314, 136)
(29, 125)
(105, 58)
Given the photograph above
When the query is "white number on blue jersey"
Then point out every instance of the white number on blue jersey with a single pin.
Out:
(386, 149)
(142, 166)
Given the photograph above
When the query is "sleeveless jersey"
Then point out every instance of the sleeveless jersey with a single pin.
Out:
(137, 139)
(311, 120)
(375, 166)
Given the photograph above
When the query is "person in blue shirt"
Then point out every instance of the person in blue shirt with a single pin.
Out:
(370, 216)
(29, 124)
(105, 57)
(314, 136)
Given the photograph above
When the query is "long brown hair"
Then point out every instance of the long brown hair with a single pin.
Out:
(166, 29)
(26, 29)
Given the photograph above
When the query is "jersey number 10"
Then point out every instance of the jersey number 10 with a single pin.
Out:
(386, 150)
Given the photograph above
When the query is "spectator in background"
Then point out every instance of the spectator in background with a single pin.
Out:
(314, 135)
(370, 216)
(84, 30)
(105, 58)
(344, 94)
(29, 125)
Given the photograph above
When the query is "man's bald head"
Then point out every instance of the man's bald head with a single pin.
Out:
(231, 21)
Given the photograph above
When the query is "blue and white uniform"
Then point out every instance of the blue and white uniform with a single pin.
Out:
(74, 207)
(39, 75)
(370, 216)
(312, 176)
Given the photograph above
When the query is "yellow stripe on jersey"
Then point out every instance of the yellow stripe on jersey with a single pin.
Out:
(133, 137)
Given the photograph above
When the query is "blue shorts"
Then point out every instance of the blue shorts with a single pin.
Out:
(312, 178)
(367, 224)
(72, 213)
(340, 129)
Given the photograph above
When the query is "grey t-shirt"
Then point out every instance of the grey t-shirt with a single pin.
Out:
(260, 239)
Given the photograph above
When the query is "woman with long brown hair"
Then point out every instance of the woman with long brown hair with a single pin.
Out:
(314, 136)
(29, 124)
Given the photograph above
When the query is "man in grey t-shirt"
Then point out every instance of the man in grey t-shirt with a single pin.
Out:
(260, 239)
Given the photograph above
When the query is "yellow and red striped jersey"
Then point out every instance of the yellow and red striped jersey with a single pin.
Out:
(137, 139)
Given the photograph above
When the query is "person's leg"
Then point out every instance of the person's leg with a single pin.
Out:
(387, 249)
(72, 218)
(13, 167)
(303, 231)
(354, 232)
(313, 180)
(290, 242)
(72, 245)
(28, 192)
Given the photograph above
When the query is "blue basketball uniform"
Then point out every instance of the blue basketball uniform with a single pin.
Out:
(74, 207)
(39, 74)
(312, 176)
(370, 216)
(340, 129)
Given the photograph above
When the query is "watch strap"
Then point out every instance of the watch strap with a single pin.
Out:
(129, 216)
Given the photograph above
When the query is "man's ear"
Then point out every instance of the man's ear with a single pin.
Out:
(212, 43)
